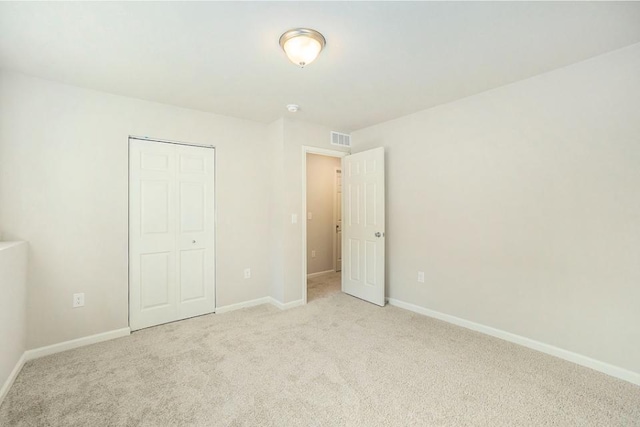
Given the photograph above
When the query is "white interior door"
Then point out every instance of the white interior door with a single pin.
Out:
(171, 232)
(363, 226)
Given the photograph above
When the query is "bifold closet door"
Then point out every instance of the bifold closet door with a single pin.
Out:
(171, 232)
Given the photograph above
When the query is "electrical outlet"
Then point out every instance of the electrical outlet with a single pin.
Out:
(78, 300)
(309, 215)
(247, 273)
(421, 276)
(313, 253)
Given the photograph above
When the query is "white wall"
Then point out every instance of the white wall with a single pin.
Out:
(63, 188)
(297, 134)
(13, 306)
(321, 197)
(522, 206)
(277, 214)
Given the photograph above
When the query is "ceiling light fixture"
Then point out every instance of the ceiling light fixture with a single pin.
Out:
(302, 45)
(293, 108)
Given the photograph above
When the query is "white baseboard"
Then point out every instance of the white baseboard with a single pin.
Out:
(606, 368)
(12, 377)
(57, 348)
(105, 336)
(288, 305)
(320, 273)
(79, 342)
(245, 304)
(259, 301)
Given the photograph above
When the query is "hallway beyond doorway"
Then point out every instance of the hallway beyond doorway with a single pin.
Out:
(323, 285)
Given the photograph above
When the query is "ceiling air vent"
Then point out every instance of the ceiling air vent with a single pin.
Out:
(341, 139)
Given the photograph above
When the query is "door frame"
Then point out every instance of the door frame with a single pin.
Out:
(335, 216)
(323, 152)
(215, 214)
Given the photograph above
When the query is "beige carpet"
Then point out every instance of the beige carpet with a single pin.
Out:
(337, 361)
(323, 286)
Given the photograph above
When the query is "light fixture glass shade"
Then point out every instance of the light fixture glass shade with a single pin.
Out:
(302, 45)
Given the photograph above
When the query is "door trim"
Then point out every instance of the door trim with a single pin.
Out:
(324, 152)
(168, 141)
(335, 217)
(215, 215)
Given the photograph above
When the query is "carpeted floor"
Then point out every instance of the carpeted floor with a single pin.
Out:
(323, 286)
(337, 361)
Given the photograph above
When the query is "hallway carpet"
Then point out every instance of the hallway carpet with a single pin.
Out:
(323, 285)
(337, 361)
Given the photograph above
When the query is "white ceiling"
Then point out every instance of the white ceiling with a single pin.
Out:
(382, 60)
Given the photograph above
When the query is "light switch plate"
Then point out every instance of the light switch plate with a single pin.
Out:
(294, 218)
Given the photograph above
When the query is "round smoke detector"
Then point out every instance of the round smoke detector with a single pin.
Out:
(293, 108)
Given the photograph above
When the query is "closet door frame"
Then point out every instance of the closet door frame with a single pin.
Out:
(171, 305)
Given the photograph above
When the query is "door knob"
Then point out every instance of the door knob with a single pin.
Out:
(378, 234)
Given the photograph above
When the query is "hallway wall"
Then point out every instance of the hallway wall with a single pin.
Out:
(321, 203)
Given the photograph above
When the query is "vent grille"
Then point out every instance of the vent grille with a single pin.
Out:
(341, 139)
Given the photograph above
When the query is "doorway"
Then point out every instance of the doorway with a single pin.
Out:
(323, 221)
(171, 232)
(363, 226)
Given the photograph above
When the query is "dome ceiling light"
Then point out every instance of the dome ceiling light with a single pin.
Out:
(302, 45)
